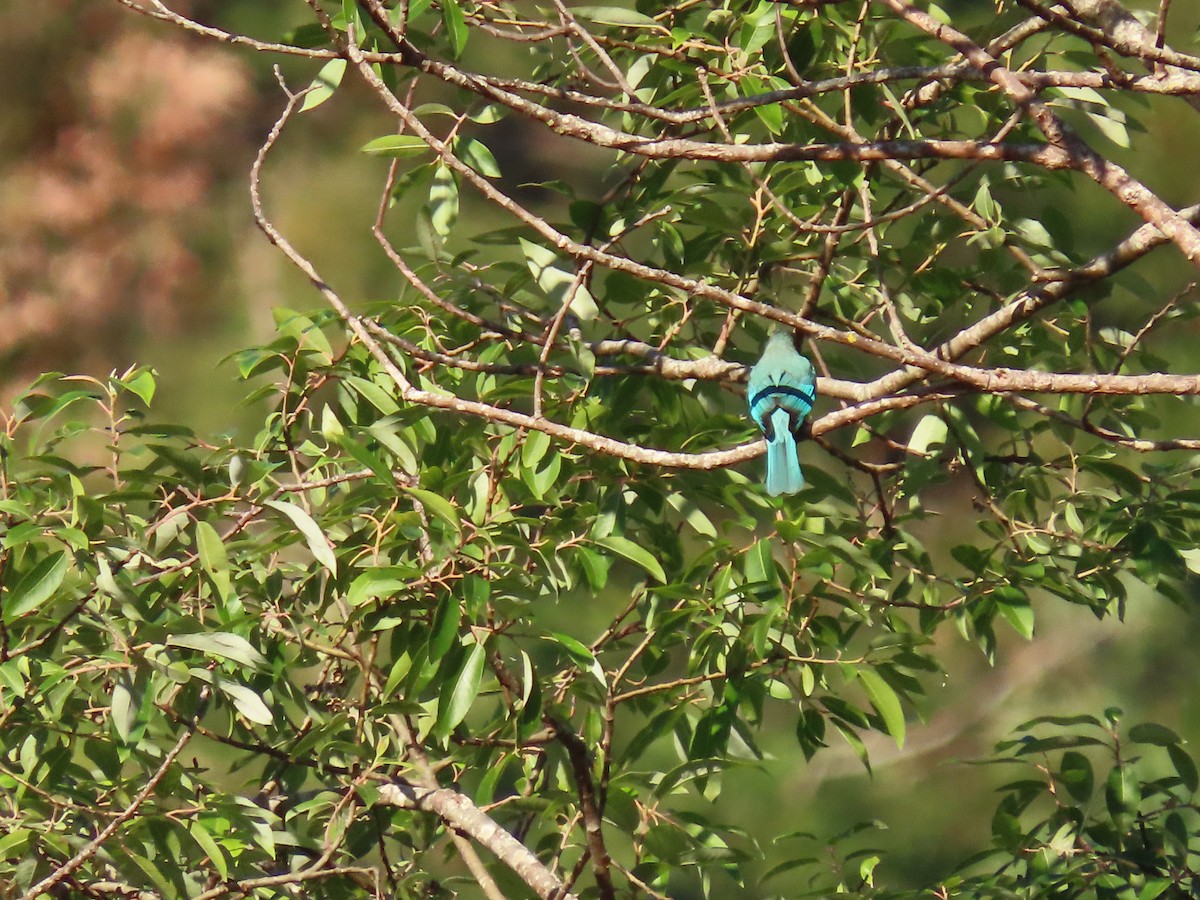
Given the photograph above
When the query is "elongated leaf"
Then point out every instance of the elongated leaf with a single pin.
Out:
(363, 455)
(581, 655)
(557, 282)
(1019, 616)
(614, 15)
(223, 644)
(210, 847)
(248, 702)
(1185, 767)
(122, 707)
(886, 703)
(535, 447)
(142, 383)
(456, 702)
(317, 542)
(639, 555)
(1121, 794)
(324, 85)
(373, 393)
(692, 514)
(445, 626)
(443, 201)
(379, 582)
(478, 156)
(1153, 733)
(1076, 774)
(855, 742)
(929, 434)
(36, 586)
(456, 26)
(437, 506)
(395, 146)
(213, 558)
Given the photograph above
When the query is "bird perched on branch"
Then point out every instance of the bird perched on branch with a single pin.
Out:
(781, 391)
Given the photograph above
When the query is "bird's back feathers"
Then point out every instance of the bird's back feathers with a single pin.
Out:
(781, 390)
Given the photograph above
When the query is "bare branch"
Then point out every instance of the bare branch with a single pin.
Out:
(1106, 173)
(459, 812)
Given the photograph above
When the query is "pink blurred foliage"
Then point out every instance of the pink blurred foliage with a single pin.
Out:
(106, 197)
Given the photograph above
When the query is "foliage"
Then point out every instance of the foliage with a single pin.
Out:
(490, 545)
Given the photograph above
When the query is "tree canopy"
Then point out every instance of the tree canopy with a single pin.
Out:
(494, 602)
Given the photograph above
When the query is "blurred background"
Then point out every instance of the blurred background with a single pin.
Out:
(125, 148)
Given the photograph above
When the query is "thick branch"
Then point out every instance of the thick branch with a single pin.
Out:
(590, 804)
(457, 811)
(1028, 303)
(1131, 192)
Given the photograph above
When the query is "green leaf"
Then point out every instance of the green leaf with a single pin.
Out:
(477, 155)
(456, 27)
(759, 563)
(1076, 774)
(692, 514)
(1153, 733)
(443, 201)
(930, 432)
(437, 506)
(557, 283)
(15, 844)
(1018, 615)
(380, 581)
(321, 549)
(576, 649)
(1121, 794)
(535, 447)
(247, 702)
(373, 394)
(210, 847)
(635, 553)
(223, 644)
(855, 742)
(324, 85)
(123, 707)
(142, 383)
(362, 454)
(540, 481)
(463, 688)
(580, 654)
(36, 586)
(395, 146)
(445, 626)
(1185, 766)
(770, 114)
(886, 703)
(1155, 887)
(615, 15)
(213, 558)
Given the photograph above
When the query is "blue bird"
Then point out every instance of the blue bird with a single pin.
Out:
(781, 391)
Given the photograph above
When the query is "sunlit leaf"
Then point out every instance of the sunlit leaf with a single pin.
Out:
(313, 535)
(886, 703)
(222, 644)
(635, 553)
(36, 586)
(461, 690)
(396, 146)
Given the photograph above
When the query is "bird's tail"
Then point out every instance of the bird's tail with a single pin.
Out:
(783, 466)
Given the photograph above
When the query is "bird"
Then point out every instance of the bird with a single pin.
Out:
(781, 390)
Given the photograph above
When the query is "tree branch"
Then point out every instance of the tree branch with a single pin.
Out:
(95, 844)
(1131, 192)
(459, 812)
